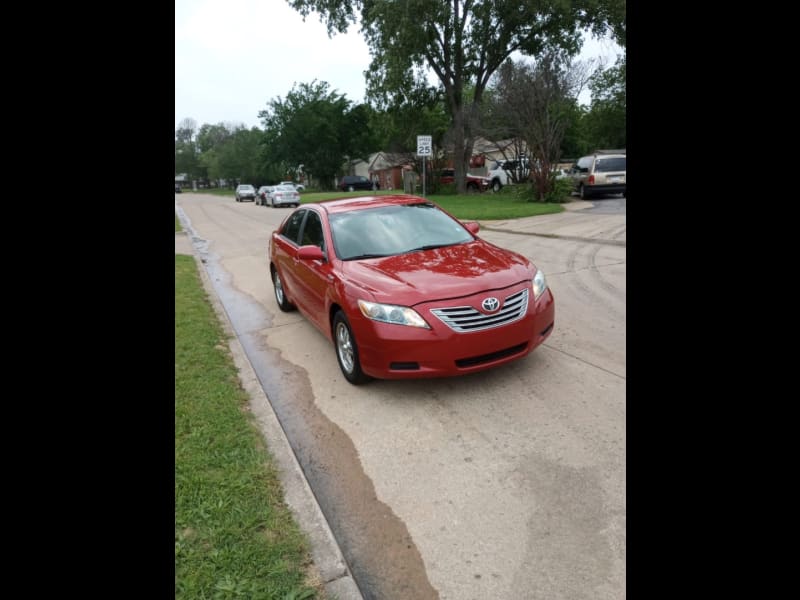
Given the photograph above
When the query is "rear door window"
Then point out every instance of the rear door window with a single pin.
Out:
(605, 165)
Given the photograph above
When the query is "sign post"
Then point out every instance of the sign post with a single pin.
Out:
(424, 148)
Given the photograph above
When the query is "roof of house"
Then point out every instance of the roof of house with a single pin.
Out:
(388, 160)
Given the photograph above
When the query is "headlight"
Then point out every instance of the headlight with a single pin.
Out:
(389, 313)
(539, 284)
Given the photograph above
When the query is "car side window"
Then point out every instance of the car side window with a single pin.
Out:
(291, 230)
(312, 231)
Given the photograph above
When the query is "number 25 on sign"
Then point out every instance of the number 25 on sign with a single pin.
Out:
(424, 144)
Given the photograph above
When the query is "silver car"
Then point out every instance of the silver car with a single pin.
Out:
(600, 174)
(283, 195)
(262, 194)
(244, 192)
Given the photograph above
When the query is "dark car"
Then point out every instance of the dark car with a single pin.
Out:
(178, 189)
(350, 183)
(404, 290)
(244, 192)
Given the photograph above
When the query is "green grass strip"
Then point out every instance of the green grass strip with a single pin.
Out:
(234, 535)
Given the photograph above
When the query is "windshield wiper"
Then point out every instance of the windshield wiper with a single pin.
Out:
(432, 247)
(360, 256)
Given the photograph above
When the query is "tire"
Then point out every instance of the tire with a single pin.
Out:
(347, 350)
(472, 188)
(496, 186)
(583, 193)
(625, 191)
(350, 188)
(280, 294)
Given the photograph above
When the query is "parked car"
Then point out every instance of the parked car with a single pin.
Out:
(600, 174)
(261, 194)
(244, 192)
(178, 189)
(404, 290)
(351, 183)
(283, 195)
(508, 172)
(298, 186)
(475, 183)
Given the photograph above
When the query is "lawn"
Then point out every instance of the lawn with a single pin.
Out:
(487, 206)
(234, 536)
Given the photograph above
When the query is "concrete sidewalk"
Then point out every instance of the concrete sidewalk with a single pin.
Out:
(572, 224)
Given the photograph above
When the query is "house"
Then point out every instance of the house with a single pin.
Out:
(387, 169)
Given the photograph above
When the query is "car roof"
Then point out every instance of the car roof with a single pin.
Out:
(363, 202)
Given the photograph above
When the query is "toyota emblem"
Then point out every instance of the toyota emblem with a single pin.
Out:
(490, 304)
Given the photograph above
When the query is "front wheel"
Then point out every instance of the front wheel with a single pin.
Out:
(347, 350)
(280, 294)
(350, 188)
(496, 186)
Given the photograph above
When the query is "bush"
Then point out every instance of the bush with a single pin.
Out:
(447, 189)
(560, 191)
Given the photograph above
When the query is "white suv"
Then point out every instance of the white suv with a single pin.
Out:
(508, 172)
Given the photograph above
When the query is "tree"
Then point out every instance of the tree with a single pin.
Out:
(462, 41)
(186, 159)
(535, 105)
(606, 121)
(315, 127)
(238, 157)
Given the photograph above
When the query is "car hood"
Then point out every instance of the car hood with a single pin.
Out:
(443, 273)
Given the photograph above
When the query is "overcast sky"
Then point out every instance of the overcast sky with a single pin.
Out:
(233, 56)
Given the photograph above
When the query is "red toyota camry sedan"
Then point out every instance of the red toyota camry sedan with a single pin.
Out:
(405, 290)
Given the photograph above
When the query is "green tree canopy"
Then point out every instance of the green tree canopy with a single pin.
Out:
(317, 128)
(462, 41)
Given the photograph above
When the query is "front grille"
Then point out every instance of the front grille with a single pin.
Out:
(467, 318)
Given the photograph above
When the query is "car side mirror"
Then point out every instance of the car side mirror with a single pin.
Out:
(473, 227)
(310, 253)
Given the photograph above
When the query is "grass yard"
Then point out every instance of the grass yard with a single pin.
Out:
(487, 206)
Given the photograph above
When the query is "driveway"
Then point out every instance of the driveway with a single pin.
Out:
(503, 484)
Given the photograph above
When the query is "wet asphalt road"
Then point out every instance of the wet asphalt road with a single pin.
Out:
(504, 484)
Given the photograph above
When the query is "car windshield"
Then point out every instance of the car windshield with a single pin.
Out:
(392, 230)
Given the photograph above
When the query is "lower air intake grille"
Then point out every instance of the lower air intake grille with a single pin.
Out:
(485, 358)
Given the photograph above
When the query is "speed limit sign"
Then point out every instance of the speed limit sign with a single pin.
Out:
(424, 145)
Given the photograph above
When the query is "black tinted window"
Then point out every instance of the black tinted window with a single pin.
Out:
(604, 165)
(312, 231)
(292, 227)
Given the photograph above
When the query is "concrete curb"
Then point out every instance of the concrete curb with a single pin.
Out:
(328, 558)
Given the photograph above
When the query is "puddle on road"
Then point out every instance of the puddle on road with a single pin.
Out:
(378, 548)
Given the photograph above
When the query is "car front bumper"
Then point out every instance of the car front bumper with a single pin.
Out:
(399, 352)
